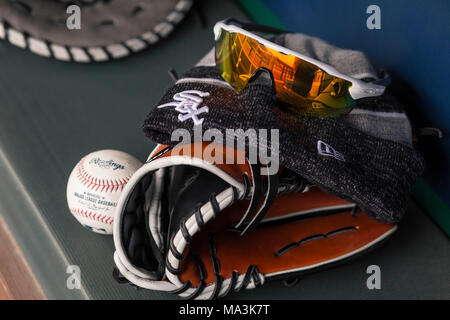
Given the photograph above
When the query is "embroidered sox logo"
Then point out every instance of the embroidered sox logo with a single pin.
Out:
(188, 105)
(327, 150)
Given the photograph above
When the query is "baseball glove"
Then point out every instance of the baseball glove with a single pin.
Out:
(191, 225)
(109, 29)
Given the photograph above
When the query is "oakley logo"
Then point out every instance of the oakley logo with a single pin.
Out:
(326, 150)
(187, 104)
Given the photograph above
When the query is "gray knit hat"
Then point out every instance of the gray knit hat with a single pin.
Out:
(366, 156)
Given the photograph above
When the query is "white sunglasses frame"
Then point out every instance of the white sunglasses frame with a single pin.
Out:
(359, 89)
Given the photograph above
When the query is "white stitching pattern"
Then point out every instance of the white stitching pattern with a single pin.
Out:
(121, 50)
(97, 184)
(192, 225)
(92, 215)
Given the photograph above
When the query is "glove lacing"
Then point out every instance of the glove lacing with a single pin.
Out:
(273, 185)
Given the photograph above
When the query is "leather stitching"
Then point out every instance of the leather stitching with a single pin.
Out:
(96, 184)
(92, 215)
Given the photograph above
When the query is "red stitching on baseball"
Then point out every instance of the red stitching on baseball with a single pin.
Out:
(92, 215)
(94, 183)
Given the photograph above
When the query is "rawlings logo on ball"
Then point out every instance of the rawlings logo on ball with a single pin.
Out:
(107, 164)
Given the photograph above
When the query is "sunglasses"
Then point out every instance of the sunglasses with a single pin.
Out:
(305, 85)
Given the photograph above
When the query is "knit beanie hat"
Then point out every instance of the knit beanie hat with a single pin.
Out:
(365, 156)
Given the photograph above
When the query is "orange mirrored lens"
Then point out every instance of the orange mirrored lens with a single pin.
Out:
(305, 88)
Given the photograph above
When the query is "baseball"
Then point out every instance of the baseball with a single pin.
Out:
(95, 185)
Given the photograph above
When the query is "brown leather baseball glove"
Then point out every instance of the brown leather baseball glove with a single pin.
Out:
(189, 224)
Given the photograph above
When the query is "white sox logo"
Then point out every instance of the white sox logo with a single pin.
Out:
(188, 105)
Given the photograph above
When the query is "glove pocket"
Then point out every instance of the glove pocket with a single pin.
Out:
(302, 232)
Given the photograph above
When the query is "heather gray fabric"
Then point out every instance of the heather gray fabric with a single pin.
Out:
(383, 118)
(366, 156)
(375, 173)
(350, 62)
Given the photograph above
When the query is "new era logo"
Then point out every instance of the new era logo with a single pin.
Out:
(326, 150)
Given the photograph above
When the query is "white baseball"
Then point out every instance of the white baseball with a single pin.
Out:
(95, 185)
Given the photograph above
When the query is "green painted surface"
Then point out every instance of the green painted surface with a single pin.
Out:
(434, 205)
(260, 13)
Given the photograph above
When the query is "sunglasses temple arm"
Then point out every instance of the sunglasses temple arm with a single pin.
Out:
(385, 79)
